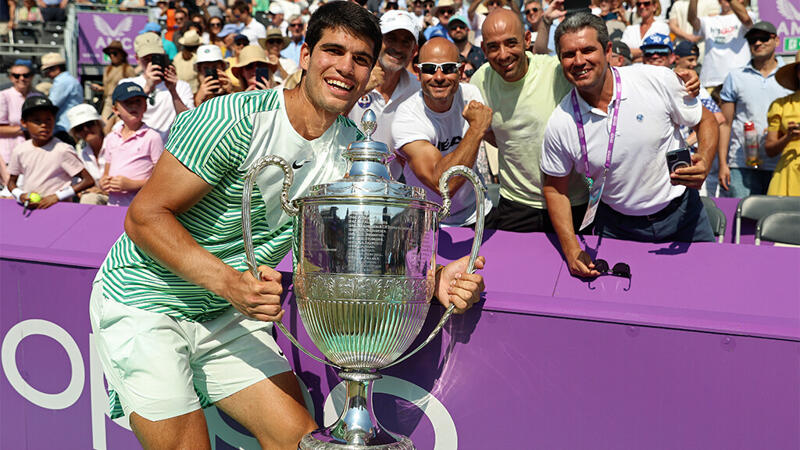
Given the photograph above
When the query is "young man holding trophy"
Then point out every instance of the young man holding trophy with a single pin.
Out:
(178, 320)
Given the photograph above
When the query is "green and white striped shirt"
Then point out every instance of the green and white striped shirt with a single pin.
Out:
(219, 141)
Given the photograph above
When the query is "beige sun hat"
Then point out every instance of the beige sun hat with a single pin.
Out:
(249, 55)
(786, 76)
(51, 60)
(147, 44)
(190, 39)
(275, 33)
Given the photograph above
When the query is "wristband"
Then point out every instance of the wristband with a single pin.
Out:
(17, 193)
(65, 193)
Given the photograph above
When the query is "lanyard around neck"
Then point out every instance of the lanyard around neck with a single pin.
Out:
(582, 134)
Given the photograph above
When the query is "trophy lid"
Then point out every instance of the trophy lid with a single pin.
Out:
(368, 173)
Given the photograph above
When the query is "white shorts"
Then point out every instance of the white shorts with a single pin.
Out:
(158, 365)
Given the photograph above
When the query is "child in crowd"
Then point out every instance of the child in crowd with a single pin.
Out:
(48, 164)
(130, 151)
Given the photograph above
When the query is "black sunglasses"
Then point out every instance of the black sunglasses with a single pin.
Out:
(81, 127)
(531, 10)
(447, 68)
(21, 75)
(643, 4)
(620, 269)
(754, 38)
(215, 24)
(296, 25)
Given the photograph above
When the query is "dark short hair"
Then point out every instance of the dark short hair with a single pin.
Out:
(578, 21)
(346, 16)
(241, 6)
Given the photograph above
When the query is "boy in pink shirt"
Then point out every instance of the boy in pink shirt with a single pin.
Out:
(47, 163)
(130, 151)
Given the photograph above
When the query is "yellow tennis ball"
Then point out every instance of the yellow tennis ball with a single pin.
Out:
(33, 197)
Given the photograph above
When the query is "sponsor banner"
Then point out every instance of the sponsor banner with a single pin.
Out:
(96, 30)
(785, 15)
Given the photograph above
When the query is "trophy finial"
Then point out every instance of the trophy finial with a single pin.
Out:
(369, 123)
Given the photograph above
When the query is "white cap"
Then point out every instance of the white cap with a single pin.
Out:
(399, 20)
(208, 53)
(80, 114)
(275, 8)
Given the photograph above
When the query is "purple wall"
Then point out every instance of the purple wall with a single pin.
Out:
(695, 355)
(97, 29)
(785, 15)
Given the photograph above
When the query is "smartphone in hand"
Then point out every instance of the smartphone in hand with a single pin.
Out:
(262, 75)
(679, 158)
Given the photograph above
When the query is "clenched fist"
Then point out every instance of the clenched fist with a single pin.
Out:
(478, 115)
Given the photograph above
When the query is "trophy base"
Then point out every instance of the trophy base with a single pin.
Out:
(357, 427)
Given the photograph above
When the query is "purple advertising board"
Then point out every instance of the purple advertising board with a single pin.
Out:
(97, 29)
(785, 15)
(701, 351)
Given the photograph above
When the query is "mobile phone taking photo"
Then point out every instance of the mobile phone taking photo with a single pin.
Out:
(262, 75)
(679, 158)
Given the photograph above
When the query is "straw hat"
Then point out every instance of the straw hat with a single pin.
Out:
(115, 45)
(51, 60)
(248, 55)
(786, 76)
(190, 39)
(275, 33)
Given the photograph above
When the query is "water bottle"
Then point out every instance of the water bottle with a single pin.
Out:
(751, 145)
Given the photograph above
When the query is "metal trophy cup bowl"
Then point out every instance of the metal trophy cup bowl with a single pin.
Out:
(365, 260)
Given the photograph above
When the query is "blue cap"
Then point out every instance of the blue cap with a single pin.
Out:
(686, 48)
(127, 90)
(23, 62)
(151, 27)
(437, 32)
(228, 29)
(657, 43)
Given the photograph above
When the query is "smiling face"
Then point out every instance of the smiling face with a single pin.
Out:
(439, 88)
(584, 60)
(21, 77)
(645, 8)
(686, 62)
(399, 47)
(337, 69)
(504, 44)
(762, 44)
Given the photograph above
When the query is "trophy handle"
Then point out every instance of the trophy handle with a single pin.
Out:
(480, 195)
(292, 210)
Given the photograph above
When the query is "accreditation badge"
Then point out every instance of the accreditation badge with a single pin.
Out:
(595, 192)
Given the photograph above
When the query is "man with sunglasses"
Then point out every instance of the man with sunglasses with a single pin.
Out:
(400, 32)
(440, 127)
(725, 46)
(533, 15)
(65, 93)
(297, 31)
(280, 67)
(11, 101)
(458, 29)
(445, 9)
(746, 96)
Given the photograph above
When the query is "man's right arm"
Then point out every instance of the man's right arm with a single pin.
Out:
(152, 225)
(728, 110)
(741, 13)
(558, 206)
(692, 16)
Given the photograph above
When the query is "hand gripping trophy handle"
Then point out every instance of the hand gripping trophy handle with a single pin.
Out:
(289, 208)
(480, 194)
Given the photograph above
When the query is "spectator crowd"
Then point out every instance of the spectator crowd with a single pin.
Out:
(519, 90)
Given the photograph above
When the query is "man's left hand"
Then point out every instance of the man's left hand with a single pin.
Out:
(458, 287)
(690, 81)
(693, 176)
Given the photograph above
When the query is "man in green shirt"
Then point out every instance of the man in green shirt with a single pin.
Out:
(179, 323)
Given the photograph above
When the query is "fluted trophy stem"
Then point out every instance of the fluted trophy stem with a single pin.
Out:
(247, 229)
(476, 241)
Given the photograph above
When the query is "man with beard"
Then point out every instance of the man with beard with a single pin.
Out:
(179, 322)
(399, 48)
(441, 127)
(458, 29)
(634, 193)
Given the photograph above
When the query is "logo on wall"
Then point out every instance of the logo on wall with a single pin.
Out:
(118, 32)
(788, 10)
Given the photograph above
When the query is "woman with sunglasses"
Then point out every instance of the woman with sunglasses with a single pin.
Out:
(11, 100)
(648, 11)
(215, 25)
(86, 126)
(117, 70)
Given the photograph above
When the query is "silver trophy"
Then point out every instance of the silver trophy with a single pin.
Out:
(365, 261)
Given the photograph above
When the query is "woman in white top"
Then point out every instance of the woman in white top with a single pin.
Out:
(86, 127)
(633, 35)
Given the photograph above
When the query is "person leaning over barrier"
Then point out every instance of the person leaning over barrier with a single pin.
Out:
(641, 199)
(173, 305)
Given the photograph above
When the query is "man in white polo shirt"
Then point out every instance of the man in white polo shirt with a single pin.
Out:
(615, 128)
(400, 31)
(167, 95)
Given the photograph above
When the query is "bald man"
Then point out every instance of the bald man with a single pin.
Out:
(440, 127)
(522, 89)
